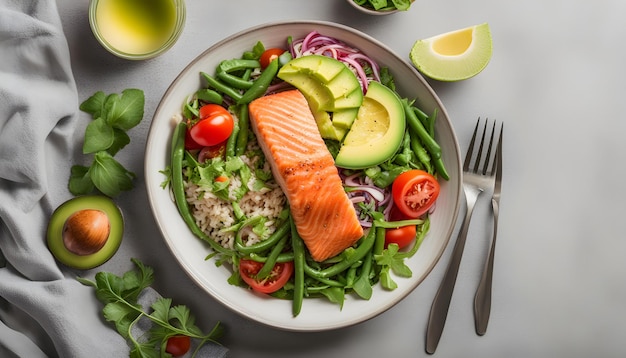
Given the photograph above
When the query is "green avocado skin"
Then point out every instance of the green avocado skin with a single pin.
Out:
(54, 232)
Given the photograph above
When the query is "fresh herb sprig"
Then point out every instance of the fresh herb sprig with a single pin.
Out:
(120, 295)
(113, 115)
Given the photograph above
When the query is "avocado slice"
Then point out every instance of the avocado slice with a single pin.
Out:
(91, 243)
(316, 93)
(377, 132)
(332, 90)
(344, 118)
(327, 126)
(345, 84)
(316, 65)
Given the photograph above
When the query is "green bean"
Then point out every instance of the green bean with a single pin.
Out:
(421, 154)
(423, 117)
(429, 142)
(220, 87)
(209, 95)
(379, 245)
(246, 74)
(231, 143)
(396, 224)
(261, 84)
(315, 274)
(364, 247)
(351, 275)
(237, 64)
(178, 189)
(431, 123)
(242, 136)
(282, 258)
(298, 273)
(234, 81)
(269, 264)
(264, 245)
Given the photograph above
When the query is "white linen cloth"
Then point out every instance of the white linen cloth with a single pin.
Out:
(44, 310)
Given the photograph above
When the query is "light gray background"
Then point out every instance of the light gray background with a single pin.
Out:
(556, 79)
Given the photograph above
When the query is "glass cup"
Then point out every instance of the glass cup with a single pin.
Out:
(137, 29)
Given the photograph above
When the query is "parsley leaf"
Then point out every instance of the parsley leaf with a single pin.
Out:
(391, 260)
(119, 296)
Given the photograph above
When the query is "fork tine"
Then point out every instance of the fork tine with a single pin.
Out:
(488, 158)
(480, 149)
(470, 148)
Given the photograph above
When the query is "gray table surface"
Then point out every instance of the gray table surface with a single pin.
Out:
(556, 79)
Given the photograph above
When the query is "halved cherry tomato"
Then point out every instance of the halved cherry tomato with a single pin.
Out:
(178, 345)
(214, 127)
(270, 54)
(191, 144)
(401, 236)
(414, 192)
(278, 277)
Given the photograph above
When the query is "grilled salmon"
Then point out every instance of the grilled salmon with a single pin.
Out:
(304, 168)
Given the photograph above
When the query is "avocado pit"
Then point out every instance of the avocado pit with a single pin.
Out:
(86, 231)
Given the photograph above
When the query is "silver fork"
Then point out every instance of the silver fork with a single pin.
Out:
(482, 300)
(475, 180)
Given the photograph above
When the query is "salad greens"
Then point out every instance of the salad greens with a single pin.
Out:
(120, 295)
(385, 5)
(113, 115)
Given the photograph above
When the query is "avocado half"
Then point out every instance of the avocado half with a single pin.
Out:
(377, 132)
(93, 203)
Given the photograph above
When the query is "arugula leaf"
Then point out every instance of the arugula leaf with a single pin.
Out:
(335, 295)
(119, 296)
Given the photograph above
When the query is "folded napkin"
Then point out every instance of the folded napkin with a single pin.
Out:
(44, 310)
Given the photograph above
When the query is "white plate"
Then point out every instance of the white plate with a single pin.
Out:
(317, 314)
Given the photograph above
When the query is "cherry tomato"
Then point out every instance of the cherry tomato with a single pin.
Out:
(278, 277)
(178, 345)
(414, 192)
(191, 144)
(270, 54)
(214, 127)
(403, 235)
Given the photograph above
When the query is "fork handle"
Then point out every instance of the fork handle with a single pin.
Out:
(441, 302)
(482, 300)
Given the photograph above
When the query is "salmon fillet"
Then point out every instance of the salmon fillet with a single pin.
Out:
(305, 170)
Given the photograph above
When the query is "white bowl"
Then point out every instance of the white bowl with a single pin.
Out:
(190, 252)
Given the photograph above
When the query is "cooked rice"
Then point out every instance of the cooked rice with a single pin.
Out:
(213, 214)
